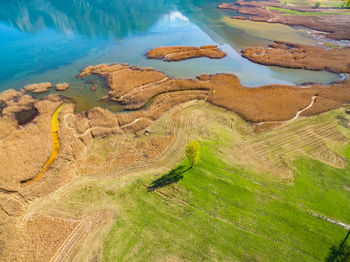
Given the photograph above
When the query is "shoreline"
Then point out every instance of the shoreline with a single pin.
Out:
(60, 147)
(335, 26)
(298, 56)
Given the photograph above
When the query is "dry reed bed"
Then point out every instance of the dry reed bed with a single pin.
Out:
(300, 56)
(177, 53)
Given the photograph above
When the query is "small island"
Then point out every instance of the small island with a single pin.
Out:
(178, 53)
(38, 87)
(62, 86)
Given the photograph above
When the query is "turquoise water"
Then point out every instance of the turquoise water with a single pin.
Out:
(44, 40)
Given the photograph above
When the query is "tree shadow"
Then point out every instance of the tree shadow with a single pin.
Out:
(340, 253)
(172, 177)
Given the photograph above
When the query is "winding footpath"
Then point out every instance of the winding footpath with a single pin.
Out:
(313, 99)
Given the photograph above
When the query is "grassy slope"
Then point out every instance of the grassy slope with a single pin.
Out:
(224, 213)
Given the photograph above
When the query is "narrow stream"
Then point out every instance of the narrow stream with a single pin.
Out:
(55, 145)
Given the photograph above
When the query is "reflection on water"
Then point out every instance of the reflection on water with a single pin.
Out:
(84, 17)
(42, 40)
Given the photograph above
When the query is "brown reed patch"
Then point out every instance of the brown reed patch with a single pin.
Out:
(177, 53)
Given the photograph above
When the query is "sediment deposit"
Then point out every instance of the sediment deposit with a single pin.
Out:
(177, 53)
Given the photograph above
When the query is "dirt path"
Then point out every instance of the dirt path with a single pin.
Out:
(313, 99)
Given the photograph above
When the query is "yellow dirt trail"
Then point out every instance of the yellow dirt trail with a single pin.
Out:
(55, 144)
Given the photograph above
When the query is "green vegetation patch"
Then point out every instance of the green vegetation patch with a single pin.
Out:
(287, 11)
(224, 213)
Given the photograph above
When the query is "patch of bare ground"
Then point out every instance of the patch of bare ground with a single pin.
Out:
(337, 26)
(177, 53)
(300, 56)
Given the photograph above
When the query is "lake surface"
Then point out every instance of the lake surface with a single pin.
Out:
(43, 40)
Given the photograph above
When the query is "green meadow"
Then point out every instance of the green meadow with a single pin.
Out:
(221, 210)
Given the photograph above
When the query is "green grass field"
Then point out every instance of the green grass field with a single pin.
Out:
(222, 210)
(222, 213)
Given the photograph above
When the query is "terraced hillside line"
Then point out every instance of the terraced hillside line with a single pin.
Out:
(64, 248)
(55, 145)
(271, 150)
(85, 226)
(182, 118)
(87, 131)
(181, 128)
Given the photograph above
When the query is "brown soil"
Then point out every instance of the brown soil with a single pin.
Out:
(337, 26)
(293, 55)
(177, 53)
(62, 86)
(38, 88)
